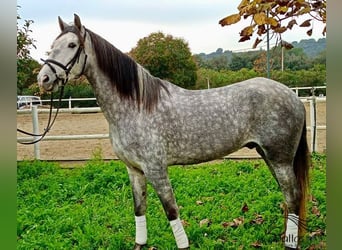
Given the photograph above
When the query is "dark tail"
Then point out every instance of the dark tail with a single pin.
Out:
(302, 164)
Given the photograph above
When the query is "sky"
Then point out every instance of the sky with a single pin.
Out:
(124, 22)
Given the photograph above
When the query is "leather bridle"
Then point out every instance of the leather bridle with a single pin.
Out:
(67, 68)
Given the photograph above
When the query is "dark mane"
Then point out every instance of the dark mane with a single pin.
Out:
(131, 81)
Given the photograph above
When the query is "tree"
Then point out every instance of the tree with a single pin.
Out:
(166, 57)
(219, 63)
(217, 60)
(273, 14)
(320, 58)
(296, 59)
(243, 60)
(27, 71)
(26, 66)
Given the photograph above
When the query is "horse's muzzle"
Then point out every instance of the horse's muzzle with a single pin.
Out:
(47, 83)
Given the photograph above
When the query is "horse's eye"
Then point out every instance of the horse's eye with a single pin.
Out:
(72, 45)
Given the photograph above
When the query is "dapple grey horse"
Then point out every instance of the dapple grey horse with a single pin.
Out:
(154, 123)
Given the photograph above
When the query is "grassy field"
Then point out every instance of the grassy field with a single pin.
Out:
(224, 205)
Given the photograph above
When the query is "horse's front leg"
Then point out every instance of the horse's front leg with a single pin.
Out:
(138, 182)
(161, 183)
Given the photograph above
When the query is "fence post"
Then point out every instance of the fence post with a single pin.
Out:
(69, 102)
(313, 122)
(35, 131)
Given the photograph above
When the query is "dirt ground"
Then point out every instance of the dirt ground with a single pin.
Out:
(95, 123)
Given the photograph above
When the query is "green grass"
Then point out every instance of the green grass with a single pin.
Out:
(92, 208)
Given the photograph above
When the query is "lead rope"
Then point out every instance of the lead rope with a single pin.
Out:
(49, 125)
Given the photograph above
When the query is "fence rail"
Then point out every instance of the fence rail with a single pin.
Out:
(62, 110)
(312, 127)
(312, 89)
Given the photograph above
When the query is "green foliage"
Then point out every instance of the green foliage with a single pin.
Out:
(166, 57)
(91, 207)
(311, 47)
(243, 60)
(222, 77)
(304, 55)
(80, 89)
(27, 71)
(321, 58)
(27, 68)
(217, 60)
(295, 59)
(315, 76)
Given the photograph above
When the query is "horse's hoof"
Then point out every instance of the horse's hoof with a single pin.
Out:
(138, 246)
(289, 248)
(184, 248)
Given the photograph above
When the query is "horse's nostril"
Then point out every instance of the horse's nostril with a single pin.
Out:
(46, 78)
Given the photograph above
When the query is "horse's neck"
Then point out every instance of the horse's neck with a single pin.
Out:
(105, 92)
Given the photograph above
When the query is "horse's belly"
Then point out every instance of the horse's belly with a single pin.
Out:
(202, 149)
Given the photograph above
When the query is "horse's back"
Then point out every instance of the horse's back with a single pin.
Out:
(266, 86)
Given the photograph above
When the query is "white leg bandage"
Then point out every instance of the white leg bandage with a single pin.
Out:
(140, 230)
(179, 233)
(291, 235)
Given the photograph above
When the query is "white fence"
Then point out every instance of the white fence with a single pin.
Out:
(70, 100)
(312, 127)
(312, 89)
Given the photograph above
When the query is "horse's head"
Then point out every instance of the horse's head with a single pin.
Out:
(67, 58)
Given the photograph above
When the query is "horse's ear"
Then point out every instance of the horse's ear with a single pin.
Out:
(62, 24)
(77, 21)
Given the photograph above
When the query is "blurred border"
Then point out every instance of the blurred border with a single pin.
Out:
(8, 124)
(334, 123)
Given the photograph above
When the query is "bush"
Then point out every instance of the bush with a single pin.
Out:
(316, 76)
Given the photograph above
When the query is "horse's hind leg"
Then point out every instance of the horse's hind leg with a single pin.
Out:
(138, 182)
(285, 176)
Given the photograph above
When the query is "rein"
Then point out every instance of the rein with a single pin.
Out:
(50, 121)
(67, 68)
